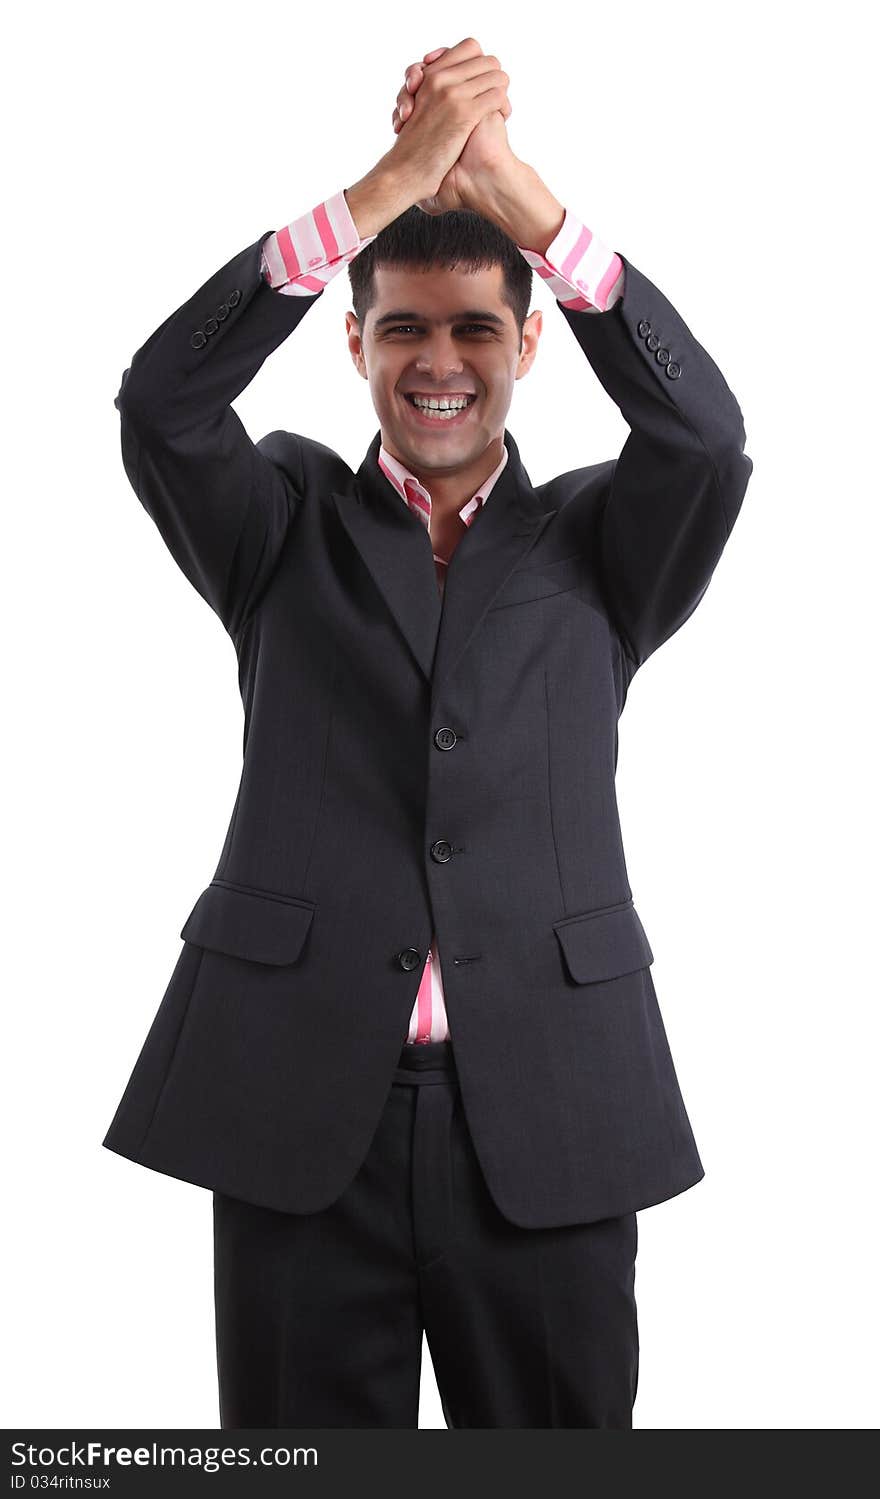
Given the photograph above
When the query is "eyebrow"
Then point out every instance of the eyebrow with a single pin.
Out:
(471, 316)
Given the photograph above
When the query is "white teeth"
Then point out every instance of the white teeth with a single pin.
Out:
(440, 403)
(440, 408)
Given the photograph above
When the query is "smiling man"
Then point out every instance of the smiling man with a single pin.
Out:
(411, 1043)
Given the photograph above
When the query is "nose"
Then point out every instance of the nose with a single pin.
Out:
(440, 362)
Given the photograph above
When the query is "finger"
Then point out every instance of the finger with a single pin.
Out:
(402, 110)
(410, 85)
(468, 47)
(496, 81)
(491, 99)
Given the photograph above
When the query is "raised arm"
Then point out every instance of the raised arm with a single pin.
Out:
(674, 493)
(221, 505)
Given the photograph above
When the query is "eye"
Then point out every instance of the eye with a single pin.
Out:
(482, 327)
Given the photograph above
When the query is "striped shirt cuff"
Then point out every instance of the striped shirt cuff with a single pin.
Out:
(301, 258)
(582, 273)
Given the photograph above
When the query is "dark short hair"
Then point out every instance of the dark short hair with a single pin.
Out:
(416, 240)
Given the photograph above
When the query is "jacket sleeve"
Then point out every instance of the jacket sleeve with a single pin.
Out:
(222, 507)
(675, 492)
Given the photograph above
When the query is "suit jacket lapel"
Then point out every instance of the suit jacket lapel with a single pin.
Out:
(396, 548)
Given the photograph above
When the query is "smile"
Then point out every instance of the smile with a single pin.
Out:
(436, 418)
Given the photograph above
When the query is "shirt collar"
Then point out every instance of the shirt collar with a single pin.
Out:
(417, 496)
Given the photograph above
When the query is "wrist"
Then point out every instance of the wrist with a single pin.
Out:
(379, 198)
(515, 198)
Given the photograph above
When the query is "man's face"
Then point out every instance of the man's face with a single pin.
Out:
(441, 333)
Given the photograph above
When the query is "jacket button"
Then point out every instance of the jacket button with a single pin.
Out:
(198, 339)
(662, 356)
(409, 958)
(441, 851)
(234, 298)
(673, 369)
(211, 325)
(445, 738)
(652, 342)
(222, 312)
(644, 328)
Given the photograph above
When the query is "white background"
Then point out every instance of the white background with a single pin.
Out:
(725, 151)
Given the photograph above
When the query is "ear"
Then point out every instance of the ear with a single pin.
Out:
(532, 328)
(355, 344)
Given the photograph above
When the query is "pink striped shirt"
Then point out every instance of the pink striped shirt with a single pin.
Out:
(582, 273)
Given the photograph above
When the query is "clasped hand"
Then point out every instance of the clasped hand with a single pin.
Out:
(486, 150)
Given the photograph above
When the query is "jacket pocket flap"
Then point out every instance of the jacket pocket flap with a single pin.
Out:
(244, 923)
(604, 944)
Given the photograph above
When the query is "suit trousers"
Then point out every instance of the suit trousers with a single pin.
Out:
(320, 1316)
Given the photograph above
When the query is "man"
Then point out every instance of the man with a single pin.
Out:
(412, 1043)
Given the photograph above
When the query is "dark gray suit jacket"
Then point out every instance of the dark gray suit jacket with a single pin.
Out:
(412, 765)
